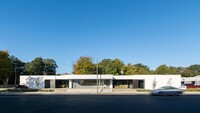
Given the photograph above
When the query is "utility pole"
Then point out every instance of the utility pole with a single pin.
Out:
(15, 74)
(97, 71)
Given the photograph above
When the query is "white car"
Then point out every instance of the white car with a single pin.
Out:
(167, 90)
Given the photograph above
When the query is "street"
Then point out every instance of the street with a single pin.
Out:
(99, 104)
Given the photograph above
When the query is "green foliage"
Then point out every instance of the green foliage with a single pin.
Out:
(105, 66)
(136, 69)
(162, 69)
(187, 73)
(130, 69)
(116, 67)
(19, 66)
(84, 66)
(195, 69)
(6, 68)
(142, 69)
(50, 66)
(36, 67)
(173, 70)
(40, 66)
(108, 66)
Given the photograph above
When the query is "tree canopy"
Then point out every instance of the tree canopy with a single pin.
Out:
(84, 65)
(40, 66)
(6, 68)
(9, 65)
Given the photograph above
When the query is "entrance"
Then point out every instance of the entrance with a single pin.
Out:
(138, 84)
(123, 84)
(62, 83)
(59, 84)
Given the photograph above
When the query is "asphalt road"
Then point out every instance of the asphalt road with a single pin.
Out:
(99, 104)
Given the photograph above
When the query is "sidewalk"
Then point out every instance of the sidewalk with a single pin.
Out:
(79, 92)
(88, 92)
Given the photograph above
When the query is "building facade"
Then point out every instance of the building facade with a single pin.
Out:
(191, 80)
(147, 82)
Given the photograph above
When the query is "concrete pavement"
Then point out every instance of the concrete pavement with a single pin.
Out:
(89, 92)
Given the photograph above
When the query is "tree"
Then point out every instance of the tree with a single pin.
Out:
(187, 73)
(36, 67)
(84, 66)
(17, 65)
(130, 69)
(142, 66)
(136, 69)
(154, 83)
(50, 66)
(108, 66)
(173, 70)
(142, 69)
(195, 69)
(162, 69)
(116, 67)
(105, 66)
(40, 66)
(6, 68)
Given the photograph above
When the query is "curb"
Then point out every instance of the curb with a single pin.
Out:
(86, 93)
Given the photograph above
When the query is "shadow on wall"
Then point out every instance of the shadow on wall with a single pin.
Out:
(35, 83)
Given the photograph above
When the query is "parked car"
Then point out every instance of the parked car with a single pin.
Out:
(167, 90)
(21, 87)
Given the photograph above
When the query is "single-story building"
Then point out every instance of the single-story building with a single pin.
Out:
(191, 80)
(148, 82)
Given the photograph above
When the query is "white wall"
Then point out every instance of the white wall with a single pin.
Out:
(162, 80)
(35, 81)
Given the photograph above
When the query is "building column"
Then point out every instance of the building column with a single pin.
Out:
(52, 84)
(70, 84)
(111, 84)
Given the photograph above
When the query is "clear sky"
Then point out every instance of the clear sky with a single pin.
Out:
(152, 32)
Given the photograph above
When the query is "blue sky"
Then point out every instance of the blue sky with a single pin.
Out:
(152, 32)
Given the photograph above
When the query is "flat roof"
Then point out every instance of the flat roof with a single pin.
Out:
(103, 77)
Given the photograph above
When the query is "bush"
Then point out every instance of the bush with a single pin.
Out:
(193, 90)
(21, 90)
(46, 90)
(143, 90)
(27, 90)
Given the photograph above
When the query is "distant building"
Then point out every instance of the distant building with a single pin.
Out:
(148, 82)
(191, 80)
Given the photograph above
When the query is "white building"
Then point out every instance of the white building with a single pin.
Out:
(148, 82)
(191, 80)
